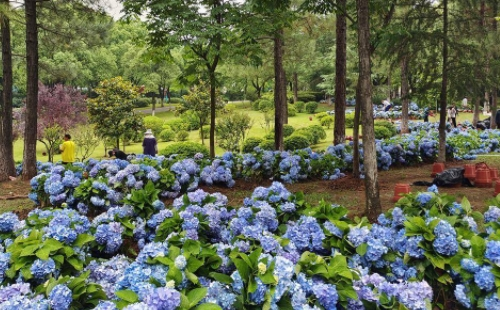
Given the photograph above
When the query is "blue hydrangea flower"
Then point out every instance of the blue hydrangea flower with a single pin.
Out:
(42, 268)
(461, 296)
(162, 298)
(327, 295)
(484, 278)
(60, 297)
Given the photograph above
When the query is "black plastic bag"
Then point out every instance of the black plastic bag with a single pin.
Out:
(450, 177)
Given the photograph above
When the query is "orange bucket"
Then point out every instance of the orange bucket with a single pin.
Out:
(470, 172)
(400, 189)
(437, 168)
(483, 178)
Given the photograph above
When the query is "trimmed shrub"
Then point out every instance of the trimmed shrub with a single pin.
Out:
(349, 120)
(265, 105)
(306, 133)
(167, 135)
(390, 126)
(142, 102)
(296, 142)
(320, 115)
(182, 135)
(267, 145)
(269, 135)
(311, 107)
(175, 100)
(287, 130)
(299, 106)
(382, 132)
(251, 143)
(255, 105)
(177, 125)
(291, 110)
(185, 149)
(327, 121)
(318, 132)
(306, 96)
(154, 123)
(377, 99)
(230, 107)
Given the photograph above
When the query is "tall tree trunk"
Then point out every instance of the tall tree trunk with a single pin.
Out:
(340, 74)
(212, 114)
(7, 167)
(404, 95)
(477, 111)
(372, 207)
(153, 104)
(279, 91)
(355, 133)
(295, 87)
(30, 120)
(493, 108)
(444, 88)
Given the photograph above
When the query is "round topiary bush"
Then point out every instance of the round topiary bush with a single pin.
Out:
(287, 130)
(306, 133)
(185, 149)
(390, 126)
(327, 121)
(296, 142)
(251, 143)
(382, 132)
(267, 145)
(182, 135)
(265, 105)
(320, 115)
(291, 111)
(167, 135)
(299, 106)
(311, 107)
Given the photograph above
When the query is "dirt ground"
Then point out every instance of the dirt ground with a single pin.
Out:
(347, 191)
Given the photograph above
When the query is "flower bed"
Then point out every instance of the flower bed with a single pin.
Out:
(274, 251)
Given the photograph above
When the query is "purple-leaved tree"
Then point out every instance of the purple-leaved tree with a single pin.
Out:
(60, 108)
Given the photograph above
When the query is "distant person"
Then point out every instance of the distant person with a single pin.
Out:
(68, 150)
(464, 103)
(448, 115)
(453, 116)
(118, 154)
(149, 144)
(387, 105)
(497, 118)
(426, 115)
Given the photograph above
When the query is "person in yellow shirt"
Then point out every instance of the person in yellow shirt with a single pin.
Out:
(68, 150)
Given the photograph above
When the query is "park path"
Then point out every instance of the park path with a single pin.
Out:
(166, 108)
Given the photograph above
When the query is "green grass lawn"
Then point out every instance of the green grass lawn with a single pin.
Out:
(258, 130)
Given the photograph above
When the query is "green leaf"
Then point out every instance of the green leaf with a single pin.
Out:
(53, 245)
(194, 264)
(174, 274)
(254, 256)
(192, 246)
(83, 239)
(362, 248)
(191, 276)
(29, 250)
(75, 262)
(252, 285)
(208, 306)
(478, 246)
(242, 268)
(196, 295)
(43, 253)
(127, 295)
(173, 252)
(223, 278)
(268, 278)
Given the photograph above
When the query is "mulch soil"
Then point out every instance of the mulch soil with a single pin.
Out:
(348, 191)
